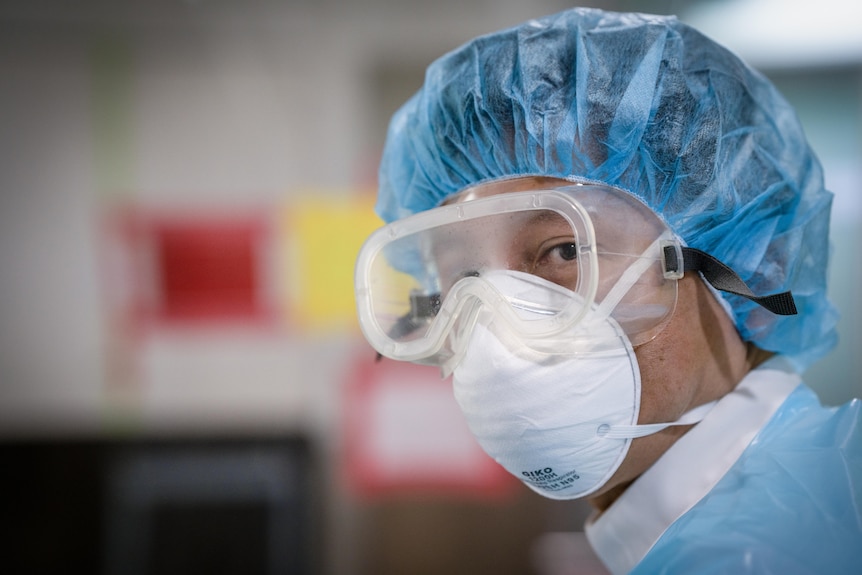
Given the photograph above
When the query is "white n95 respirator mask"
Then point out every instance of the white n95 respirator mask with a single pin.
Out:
(561, 423)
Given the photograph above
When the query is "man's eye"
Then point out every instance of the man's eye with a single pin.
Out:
(558, 264)
(567, 251)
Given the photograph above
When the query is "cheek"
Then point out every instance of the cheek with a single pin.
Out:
(668, 367)
(659, 385)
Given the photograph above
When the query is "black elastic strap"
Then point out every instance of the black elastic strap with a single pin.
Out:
(725, 279)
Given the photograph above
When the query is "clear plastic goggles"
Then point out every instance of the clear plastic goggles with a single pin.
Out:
(422, 282)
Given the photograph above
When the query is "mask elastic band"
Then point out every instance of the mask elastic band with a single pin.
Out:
(633, 431)
(725, 279)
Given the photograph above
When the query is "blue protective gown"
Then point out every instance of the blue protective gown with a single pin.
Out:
(789, 503)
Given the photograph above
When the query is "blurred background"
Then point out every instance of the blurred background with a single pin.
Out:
(184, 185)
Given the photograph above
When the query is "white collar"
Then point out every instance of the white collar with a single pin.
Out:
(625, 532)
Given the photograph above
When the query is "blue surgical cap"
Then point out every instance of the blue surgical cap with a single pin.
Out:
(652, 106)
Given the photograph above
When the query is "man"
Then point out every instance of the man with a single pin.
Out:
(613, 234)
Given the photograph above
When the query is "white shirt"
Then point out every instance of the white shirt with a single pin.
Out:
(623, 534)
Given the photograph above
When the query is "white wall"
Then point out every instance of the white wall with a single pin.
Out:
(209, 103)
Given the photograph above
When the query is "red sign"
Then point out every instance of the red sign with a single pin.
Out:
(404, 433)
(176, 269)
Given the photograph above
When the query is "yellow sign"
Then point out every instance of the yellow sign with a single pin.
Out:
(320, 237)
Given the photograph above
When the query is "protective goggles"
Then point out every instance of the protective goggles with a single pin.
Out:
(533, 261)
